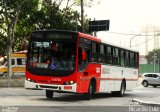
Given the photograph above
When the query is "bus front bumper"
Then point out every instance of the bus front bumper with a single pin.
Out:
(58, 88)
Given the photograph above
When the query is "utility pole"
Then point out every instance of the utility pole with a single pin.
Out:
(154, 52)
(82, 20)
(155, 49)
(146, 41)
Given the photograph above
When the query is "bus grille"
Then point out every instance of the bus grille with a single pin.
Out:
(51, 82)
(53, 87)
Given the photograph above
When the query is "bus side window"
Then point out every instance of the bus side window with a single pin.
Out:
(94, 49)
(126, 58)
(83, 58)
(132, 59)
(109, 55)
(136, 60)
(102, 54)
(115, 56)
(13, 61)
(21, 61)
(122, 58)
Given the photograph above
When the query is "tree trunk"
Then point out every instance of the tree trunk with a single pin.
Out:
(9, 61)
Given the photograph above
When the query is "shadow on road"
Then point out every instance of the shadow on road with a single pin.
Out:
(80, 97)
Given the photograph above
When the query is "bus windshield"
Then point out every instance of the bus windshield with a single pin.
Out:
(51, 55)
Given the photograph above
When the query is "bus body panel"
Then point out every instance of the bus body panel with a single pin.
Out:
(112, 76)
(54, 87)
(51, 79)
(93, 70)
(82, 80)
(50, 82)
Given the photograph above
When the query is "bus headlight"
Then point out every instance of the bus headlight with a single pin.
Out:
(30, 80)
(69, 82)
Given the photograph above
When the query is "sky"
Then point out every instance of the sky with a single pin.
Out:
(128, 17)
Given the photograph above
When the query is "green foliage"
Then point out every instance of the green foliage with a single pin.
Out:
(25, 24)
(151, 54)
(10, 10)
(2, 44)
(35, 16)
(55, 18)
(87, 3)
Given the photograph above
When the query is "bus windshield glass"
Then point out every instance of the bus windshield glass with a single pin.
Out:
(52, 54)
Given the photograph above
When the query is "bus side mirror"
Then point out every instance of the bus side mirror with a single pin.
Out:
(84, 55)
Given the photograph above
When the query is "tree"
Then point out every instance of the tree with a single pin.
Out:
(10, 10)
(51, 16)
(25, 24)
(150, 57)
(83, 21)
(34, 15)
(18, 21)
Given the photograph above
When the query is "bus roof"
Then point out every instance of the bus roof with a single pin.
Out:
(89, 37)
(71, 32)
(115, 45)
(62, 31)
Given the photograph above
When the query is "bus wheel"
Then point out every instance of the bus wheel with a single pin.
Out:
(122, 89)
(49, 94)
(90, 92)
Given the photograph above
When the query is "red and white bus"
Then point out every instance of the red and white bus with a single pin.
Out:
(66, 61)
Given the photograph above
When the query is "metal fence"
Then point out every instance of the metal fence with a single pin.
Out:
(148, 68)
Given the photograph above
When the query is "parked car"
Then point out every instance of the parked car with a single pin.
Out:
(150, 79)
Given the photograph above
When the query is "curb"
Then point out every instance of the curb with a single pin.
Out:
(148, 103)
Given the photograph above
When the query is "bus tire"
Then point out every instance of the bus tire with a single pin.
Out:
(89, 93)
(91, 90)
(122, 89)
(49, 94)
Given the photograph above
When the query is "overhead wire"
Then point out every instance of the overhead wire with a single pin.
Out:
(143, 42)
(137, 35)
(130, 34)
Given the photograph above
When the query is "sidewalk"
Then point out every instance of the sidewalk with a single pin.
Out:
(150, 101)
(147, 96)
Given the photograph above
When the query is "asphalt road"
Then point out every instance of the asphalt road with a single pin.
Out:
(29, 100)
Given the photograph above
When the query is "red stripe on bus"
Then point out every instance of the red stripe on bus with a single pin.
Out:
(131, 79)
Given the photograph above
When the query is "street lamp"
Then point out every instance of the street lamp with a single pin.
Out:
(133, 38)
